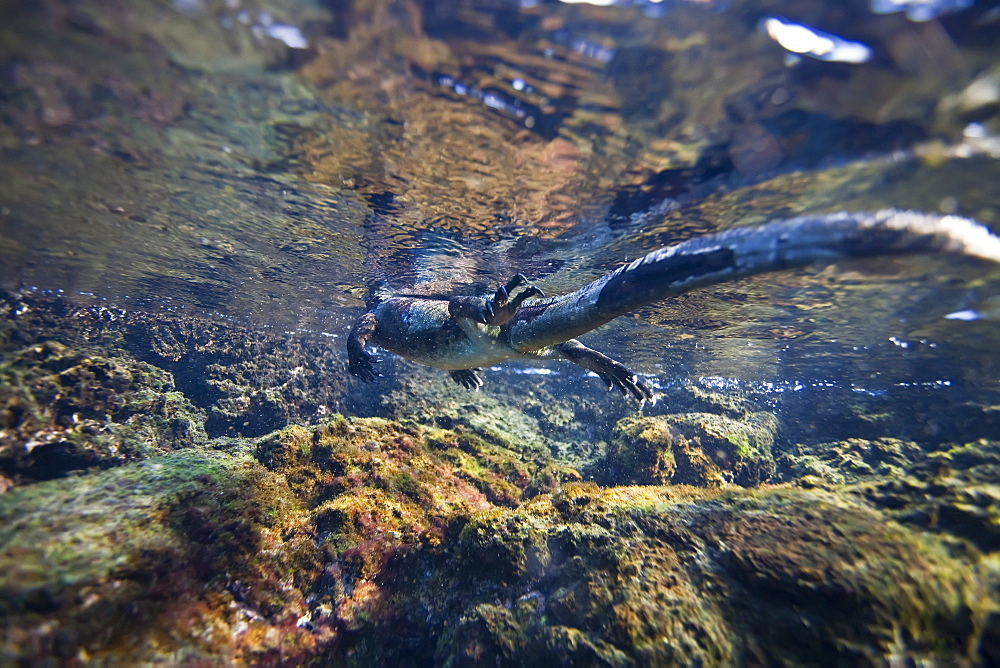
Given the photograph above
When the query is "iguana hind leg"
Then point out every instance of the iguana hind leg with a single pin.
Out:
(614, 374)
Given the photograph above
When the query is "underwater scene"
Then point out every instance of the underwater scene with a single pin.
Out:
(500, 332)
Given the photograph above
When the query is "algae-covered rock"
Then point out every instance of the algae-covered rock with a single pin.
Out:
(375, 491)
(432, 398)
(62, 410)
(370, 541)
(656, 576)
(250, 381)
(199, 556)
(187, 557)
(373, 486)
(247, 381)
(850, 460)
(642, 451)
(699, 449)
(955, 491)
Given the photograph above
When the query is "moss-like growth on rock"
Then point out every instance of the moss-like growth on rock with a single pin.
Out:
(373, 486)
(675, 576)
(376, 491)
(188, 557)
(62, 410)
(954, 491)
(700, 449)
(850, 460)
(247, 381)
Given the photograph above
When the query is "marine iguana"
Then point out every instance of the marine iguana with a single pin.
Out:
(463, 333)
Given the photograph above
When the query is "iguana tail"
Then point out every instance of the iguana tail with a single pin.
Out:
(740, 252)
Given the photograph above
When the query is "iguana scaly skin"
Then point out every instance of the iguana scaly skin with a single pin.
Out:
(464, 333)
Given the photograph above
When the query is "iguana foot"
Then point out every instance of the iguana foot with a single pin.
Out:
(622, 379)
(363, 366)
(498, 310)
(614, 374)
(467, 378)
(503, 307)
(360, 362)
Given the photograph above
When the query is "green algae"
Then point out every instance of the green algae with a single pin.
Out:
(372, 482)
(693, 448)
(428, 396)
(62, 410)
(115, 559)
(632, 576)
(637, 578)
(952, 492)
(851, 460)
(238, 380)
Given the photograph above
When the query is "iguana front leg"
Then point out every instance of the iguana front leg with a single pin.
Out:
(615, 374)
(503, 307)
(495, 312)
(360, 362)
(498, 310)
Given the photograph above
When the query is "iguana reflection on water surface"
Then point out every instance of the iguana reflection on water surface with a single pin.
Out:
(464, 333)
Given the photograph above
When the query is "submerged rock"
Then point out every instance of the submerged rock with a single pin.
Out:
(250, 381)
(954, 491)
(185, 558)
(571, 428)
(373, 486)
(850, 460)
(210, 556)
(655, 575)
(699, 449)
(369, 541)
(234, 380)
(62, 410)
